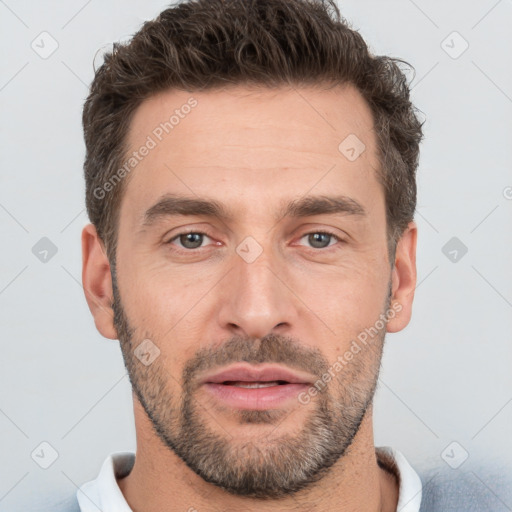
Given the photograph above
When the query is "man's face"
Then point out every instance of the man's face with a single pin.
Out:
(250, 309)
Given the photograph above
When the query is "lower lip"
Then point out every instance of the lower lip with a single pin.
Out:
(270, 397)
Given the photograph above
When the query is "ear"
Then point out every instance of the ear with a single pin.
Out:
(403, 279)
(97, 282)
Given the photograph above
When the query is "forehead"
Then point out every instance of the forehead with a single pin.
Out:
(252, 142)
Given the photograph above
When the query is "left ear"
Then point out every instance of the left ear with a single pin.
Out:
(403, 279)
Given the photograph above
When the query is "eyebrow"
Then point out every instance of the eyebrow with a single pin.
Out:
(174, 205)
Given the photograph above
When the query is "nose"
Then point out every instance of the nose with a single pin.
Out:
(257, 298)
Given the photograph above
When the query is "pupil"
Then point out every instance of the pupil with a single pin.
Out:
(189, 238)
(316, 238)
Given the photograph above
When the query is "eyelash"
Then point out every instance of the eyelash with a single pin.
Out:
(184, 250)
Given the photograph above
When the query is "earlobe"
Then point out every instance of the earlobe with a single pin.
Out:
(97, 282)
(403, 279)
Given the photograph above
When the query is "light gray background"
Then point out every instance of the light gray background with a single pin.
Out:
(447, 377)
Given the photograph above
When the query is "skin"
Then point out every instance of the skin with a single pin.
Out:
(253, 150)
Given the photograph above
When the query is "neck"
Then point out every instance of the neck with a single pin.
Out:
(160, 480)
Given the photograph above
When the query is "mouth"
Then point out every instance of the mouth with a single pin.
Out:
(253, 385)
(245, 386)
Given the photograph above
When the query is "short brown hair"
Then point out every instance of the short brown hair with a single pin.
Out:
(208, 44)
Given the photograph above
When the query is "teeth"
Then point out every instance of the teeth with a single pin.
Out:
(241, 384)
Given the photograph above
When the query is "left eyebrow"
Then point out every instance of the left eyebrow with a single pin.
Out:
(321, 205)
(174, 205)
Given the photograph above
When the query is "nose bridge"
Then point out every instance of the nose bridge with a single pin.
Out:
(256, 300)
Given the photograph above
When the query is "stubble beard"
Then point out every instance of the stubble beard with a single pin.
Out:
(277, 464)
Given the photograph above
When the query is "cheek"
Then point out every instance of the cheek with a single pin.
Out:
(348, 299)
(159, 290)
(170, 306)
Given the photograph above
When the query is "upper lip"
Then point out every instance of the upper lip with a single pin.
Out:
(250, 373)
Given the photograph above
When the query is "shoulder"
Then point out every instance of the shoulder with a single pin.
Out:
(472, 490)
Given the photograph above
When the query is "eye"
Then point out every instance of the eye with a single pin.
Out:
(321, 239)
(189, 240)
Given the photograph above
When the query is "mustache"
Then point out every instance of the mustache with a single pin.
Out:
(272, 348)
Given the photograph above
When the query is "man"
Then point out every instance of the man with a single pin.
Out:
(250, 176)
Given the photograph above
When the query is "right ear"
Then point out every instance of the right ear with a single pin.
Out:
(97, 282)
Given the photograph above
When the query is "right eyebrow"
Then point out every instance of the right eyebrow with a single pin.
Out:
(170, 205)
